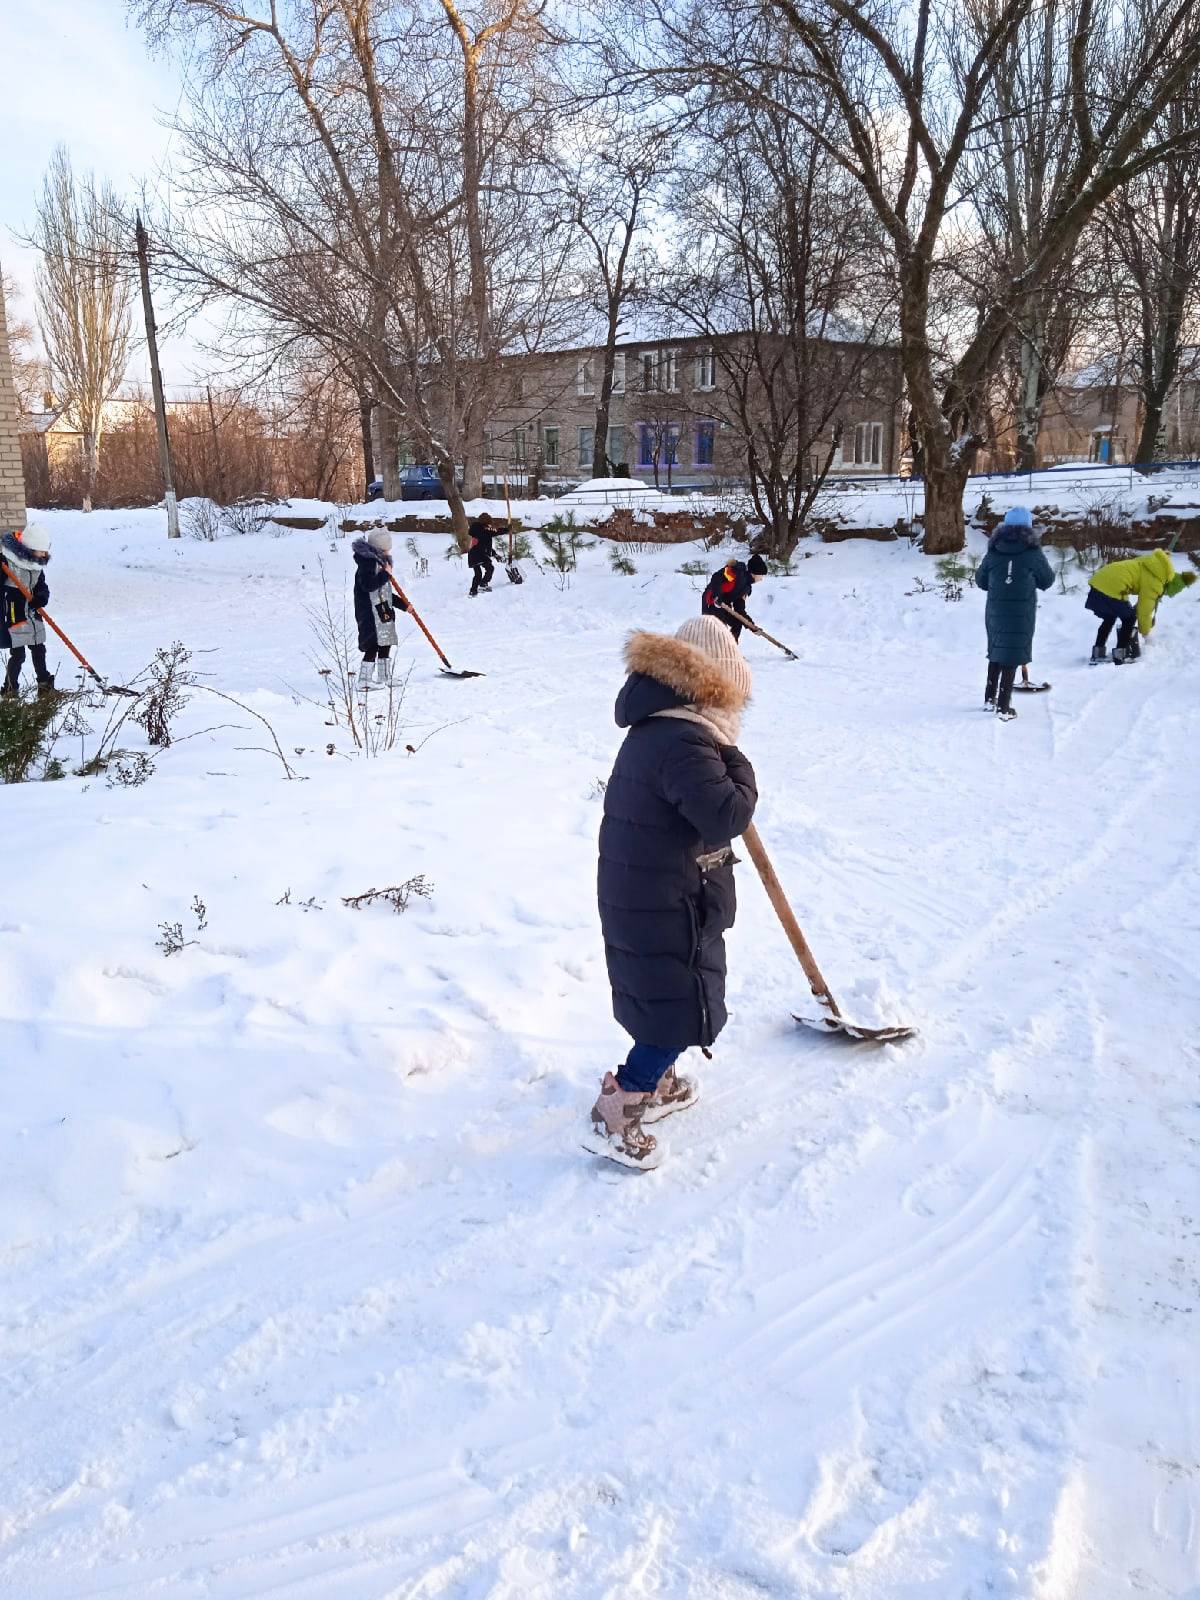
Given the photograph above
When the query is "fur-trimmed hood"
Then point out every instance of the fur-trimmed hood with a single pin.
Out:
(364, 550)
(692, 677)
(17, 554)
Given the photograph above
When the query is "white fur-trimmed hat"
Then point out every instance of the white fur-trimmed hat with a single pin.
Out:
(380, 539)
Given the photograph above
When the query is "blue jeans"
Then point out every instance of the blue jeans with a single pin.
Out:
(644, 1066)
(1110, 611)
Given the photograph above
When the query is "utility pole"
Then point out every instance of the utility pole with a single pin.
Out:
(160, 406)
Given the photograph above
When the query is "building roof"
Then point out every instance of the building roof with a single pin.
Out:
(644, 323)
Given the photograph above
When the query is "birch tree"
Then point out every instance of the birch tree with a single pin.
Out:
(84, 299)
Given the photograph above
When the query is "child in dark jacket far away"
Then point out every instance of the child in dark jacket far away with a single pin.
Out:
(1012, 572)
(480, 554)
(375, 607)
(680, 792)
(728, 591)
(26, 556)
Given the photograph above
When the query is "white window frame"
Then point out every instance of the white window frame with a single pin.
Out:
(618, 383)
(620, 431)
(586, 456)
(868, 444)
(650, 371)
(706, 371)
(550, 450)
(670, 377)
(585, 376)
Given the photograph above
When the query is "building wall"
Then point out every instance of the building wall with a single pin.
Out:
(547, 422)
(12, 483)
(1078, 423)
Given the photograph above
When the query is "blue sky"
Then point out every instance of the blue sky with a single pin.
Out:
(81, 76)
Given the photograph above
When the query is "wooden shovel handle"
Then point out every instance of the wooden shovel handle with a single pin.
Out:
(787, 917)
(415, 615)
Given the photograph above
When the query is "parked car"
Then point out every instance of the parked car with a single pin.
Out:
(421, 483)
(375, 489)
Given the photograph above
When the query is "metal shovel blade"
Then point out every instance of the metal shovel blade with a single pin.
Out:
(448, 672)
(851, 1030)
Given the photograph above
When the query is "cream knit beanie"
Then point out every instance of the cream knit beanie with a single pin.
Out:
(714, 640)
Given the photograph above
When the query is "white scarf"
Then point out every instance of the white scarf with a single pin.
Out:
(727, 725)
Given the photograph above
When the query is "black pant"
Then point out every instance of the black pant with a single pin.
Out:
(16, 660)
(1000, 682)
(482, 574)
(1110, 611)
(376, 652)
(734, 626)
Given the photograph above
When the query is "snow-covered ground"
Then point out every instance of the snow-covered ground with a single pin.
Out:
(306, 1289)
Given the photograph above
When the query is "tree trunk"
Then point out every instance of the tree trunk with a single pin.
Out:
(91, 468)
(387, 450)
(368, 446)
(945, 525)
(454, 499)
(1029, 397)
(474, 442)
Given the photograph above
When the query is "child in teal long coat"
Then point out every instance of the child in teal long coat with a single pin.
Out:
(1012, 572)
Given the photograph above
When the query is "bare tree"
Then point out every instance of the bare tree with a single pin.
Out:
(1015, 181)
(354, 177)
(607, 192)
(782, 271)
(84, 294)
(910, 107)
(1155, 228)
(30, 375)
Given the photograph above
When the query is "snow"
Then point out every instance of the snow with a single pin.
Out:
(306, 1288)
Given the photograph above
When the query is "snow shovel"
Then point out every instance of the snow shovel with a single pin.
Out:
(829, 1018)
(109, 688)
(447, 670)
(515, 575)
(761, 632)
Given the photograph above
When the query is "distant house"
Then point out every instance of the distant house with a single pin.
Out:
(1095, 413)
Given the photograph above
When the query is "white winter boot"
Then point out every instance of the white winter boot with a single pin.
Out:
(383, 672)
(364, 676)
(616, 1130)
(673, 1093)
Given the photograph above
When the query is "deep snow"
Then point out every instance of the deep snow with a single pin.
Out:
(306, 1289)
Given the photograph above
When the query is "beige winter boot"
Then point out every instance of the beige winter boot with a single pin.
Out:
(673, 1093)
(616, 1130)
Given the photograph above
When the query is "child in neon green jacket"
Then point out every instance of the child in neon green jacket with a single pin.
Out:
(1148, 578)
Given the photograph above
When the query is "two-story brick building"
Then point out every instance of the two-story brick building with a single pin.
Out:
(671, 418)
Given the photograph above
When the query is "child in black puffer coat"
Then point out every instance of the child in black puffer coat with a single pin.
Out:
(680, 792)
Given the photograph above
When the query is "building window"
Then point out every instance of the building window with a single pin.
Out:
(550, 446)
(705, 434)
(649, 372)
(616, 447)
(645, 445)
(585, 376)
(1108, 398)
(706, 370)
(587, 440)
(671, 443)
(618, 383)
(669, 370)
(519, 445)
(868, 444)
